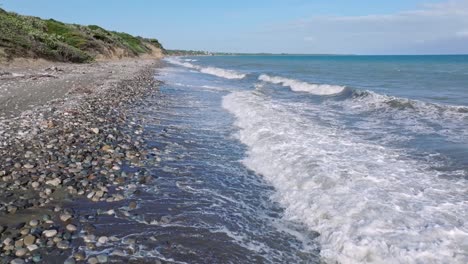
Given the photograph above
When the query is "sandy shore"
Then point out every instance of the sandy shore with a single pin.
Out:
(65, 135)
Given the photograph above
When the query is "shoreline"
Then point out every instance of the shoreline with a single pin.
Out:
(80, 145)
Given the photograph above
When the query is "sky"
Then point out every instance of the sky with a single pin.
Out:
(274, 26)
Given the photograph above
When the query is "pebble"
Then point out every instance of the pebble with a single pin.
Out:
(17, 261)
(79, 256)
(70, 261)
(132, 205)
(36, 258)
(29, 240)
(33, 247)
(65, 217)
(50, 233)
(103, 240)
(21, 252)
(63, 244)
(71, 227)
(33, 222)
(65, 156)
(54, 182)
(102, 258)
(93, 260)
(28, 166)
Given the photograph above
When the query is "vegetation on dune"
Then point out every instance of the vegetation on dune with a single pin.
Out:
(32, 37)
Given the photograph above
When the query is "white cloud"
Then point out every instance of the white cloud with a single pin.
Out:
(412, 31)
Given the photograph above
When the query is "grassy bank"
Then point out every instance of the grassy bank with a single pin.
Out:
(33, 37)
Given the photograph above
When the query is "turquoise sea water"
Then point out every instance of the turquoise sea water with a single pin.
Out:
(345, 159)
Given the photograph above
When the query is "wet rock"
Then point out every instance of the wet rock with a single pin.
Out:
(70, 261)
(93, 260)
(37, 258)
(21, 252)
(79, 256)
(63, 244)
(33, 222)
(65, 217)
(50, 233)
(71, 227)
(33, 247)
(19, 243)
(29, 240)
(17, 261)
(102, 258)
(132, 205)
(103, 240)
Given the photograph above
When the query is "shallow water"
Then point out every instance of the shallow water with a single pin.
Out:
(204, 205)
(368, 151)
(301, 160)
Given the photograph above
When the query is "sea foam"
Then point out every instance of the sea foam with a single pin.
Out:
(370, 203)
(223, 73)
(300, 86)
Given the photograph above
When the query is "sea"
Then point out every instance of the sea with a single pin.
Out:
(308, 159)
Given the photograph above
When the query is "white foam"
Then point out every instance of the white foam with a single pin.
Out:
(299, 86)
(370, 204)
(413, 115)
(223, 73)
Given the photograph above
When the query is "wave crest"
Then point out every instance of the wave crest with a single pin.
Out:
(299, 86)
(223, 73)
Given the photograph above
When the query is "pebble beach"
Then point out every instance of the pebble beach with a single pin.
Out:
(82, 148)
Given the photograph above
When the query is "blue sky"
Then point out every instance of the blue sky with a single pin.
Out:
(294, 26)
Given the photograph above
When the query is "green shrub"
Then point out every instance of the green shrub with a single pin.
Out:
(33, 37)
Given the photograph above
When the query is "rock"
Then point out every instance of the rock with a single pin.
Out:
(21, 252)
(65, 217)
(54, 182)
(95, 130)
(29, 240)
(63, 244)
(33, 222)
(24, 231)
(93, 260)
(165, 219)
(35, 184)
(102, 258)
(79, 256)
(70, 261)
(28, 166)
(7, 241)
(17, 261)
(71, 227)
(36, 258)
(103, 240)
(19, 243)
(50, 233)
(132, 205)
(33, 247)
(118, 253)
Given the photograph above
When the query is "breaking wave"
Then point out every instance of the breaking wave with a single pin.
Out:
(223, 73)
(300, 86)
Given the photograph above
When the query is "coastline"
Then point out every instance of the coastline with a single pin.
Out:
(68, 138)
